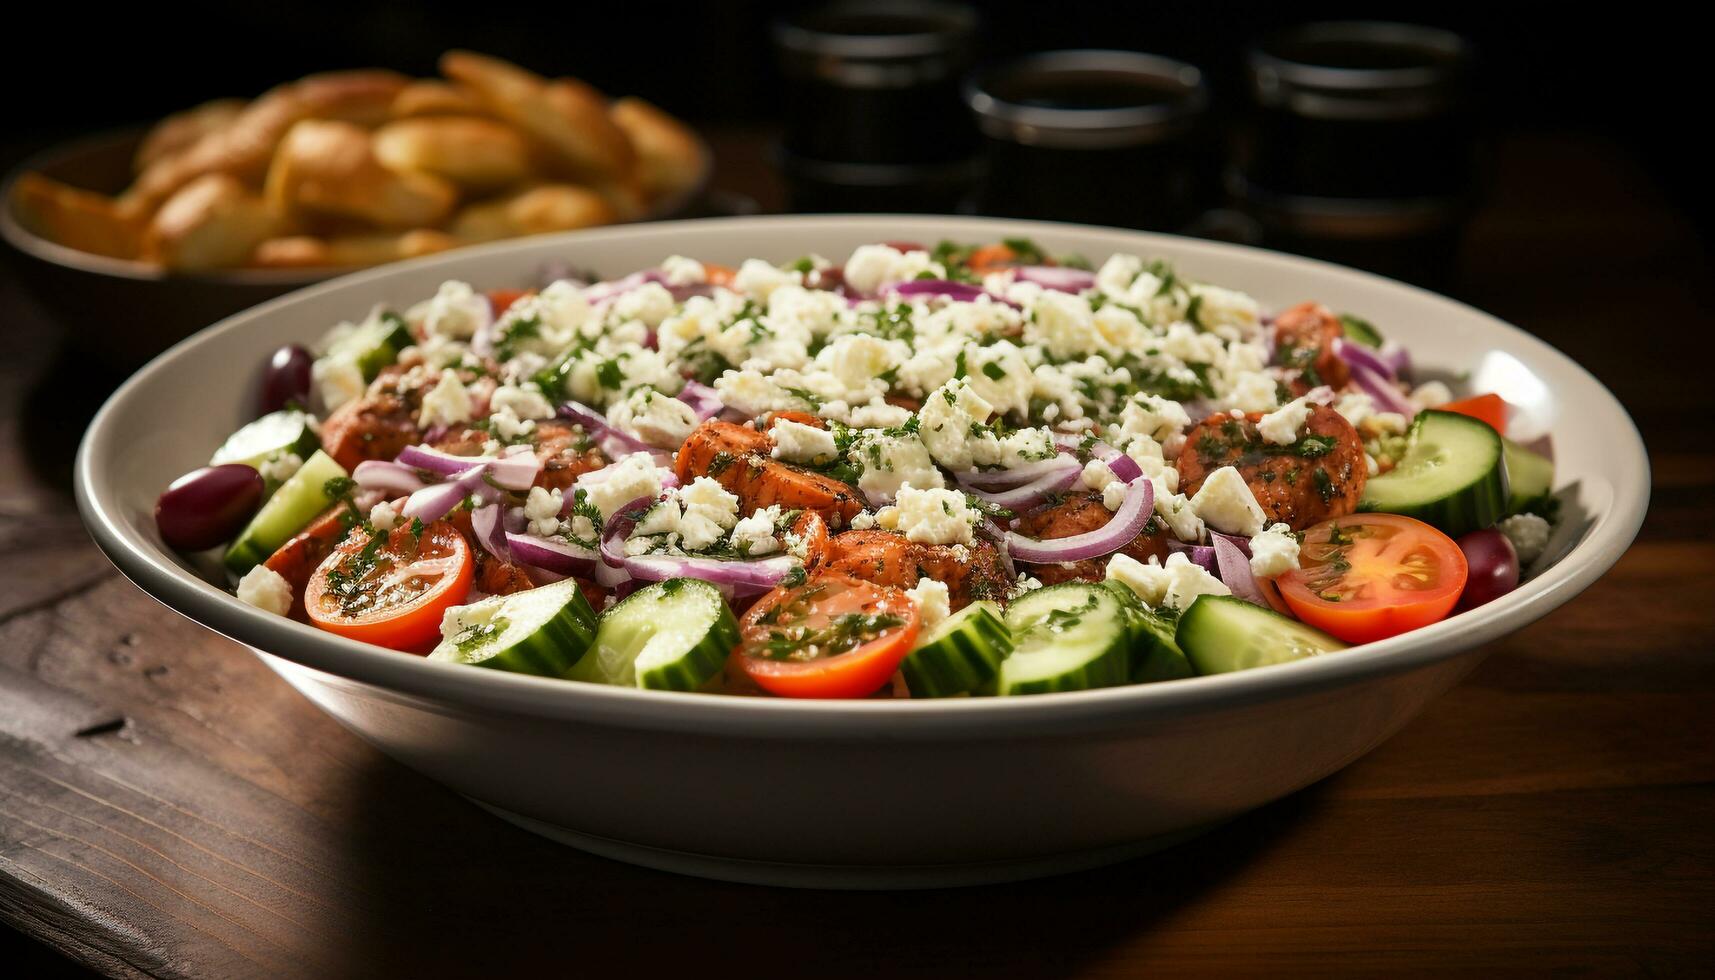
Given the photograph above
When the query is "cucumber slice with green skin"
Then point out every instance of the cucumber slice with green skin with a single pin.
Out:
(1155, 656)
(1530, 478)
(1225, 633)
(294, 505)
(1069, 637)
(285, 431)
(959, 654)
(373, 344)
(669, 636)
(1453, 475)
(543, 631)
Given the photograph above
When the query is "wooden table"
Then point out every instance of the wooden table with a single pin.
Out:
(169, 807)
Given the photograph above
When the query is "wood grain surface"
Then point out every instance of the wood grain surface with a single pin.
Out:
(168, 807)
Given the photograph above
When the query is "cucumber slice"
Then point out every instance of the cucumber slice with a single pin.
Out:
(544, 631)
(960, 653)
(1068, 637)
(669, 636)
(286, 431)
(294, 505)
(1225, 633)
(1453, 475)
(1155, 655)
(373, 344)
(1530, 478)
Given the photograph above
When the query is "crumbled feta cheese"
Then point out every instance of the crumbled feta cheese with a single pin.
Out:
(506, 424)
(871, 267)
(1180, 516)
(796, 442)
(1274, 552)
(1225, 307)
(525, 401)
(279, 467)
(1529, 536)
(447, 403)
(1225, 503)
(889, 461)
(1065, 326)
(1025, 583)
(934, 516)
(753, 536)
(1153, 416)
(338, 380)
(1429, 395)
(933, 604)
(662, 518)
(1097, 475)
(710, 512)
(1113, 495)
(681, 271)
(266, 589)
(1281, 426)
(1355, 406)
(1253, 391)
(632, 477)
(863, 521)
(948, 416)
(383, 516)
(542, 508)
(1000, 374)
(1177, 583)
(659, 420)
(758, 278)
(457, 311)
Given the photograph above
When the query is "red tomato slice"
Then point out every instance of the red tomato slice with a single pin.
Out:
(391, 589)
(501, 300)
(1485, 408)
(834, 636)
(1367, 577)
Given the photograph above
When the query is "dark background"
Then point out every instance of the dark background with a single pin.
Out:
(1625, 72)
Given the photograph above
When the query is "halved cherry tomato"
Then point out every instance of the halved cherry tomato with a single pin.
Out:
(833, 636)
(988, 258)
(1484, 408)
(502, 299)
(390, 589)
(719, 275)
(1371, 576)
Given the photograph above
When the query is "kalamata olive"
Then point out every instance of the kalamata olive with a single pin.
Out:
(1493, 567)
(209, 506)
(286, 380)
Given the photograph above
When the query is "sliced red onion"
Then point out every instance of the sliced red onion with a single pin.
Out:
(1382, 391)
(1396, 357)
(487, 523)
(704, 401)
(998, 536)
(434, 502)
(1124, 526)
(1197, 554)
(1016, 476)
(618, 527)
(735, 579)
(1123, 466)
(601, 292)
(433, 460)
(513, 519)
(379, 474)
(1357, 355)
(960, 292)
(516, 469)
(1233, 564)
(1029, 493)
(1056, 277)
(552, 554)
(597, 425)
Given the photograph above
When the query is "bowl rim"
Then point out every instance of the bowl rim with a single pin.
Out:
(16, 234)
(415, 680)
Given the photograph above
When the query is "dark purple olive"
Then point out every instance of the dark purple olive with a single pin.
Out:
(286, 380)
(209, 506)
(1493, 567)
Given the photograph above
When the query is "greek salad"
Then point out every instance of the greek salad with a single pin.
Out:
(923, 472)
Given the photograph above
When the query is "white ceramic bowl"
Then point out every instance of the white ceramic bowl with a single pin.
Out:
(873, 793)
